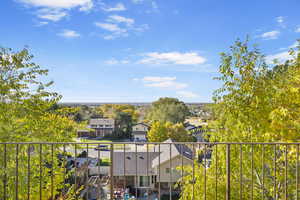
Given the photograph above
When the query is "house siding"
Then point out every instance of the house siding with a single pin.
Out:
(175, 163)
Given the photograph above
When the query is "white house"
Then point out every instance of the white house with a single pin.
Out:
(172, 157)
(134, 169)
(144, 170)
(139, 132)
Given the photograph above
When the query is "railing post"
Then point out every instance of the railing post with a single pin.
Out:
(111, 171)
(5, 175)
(17, 171)
(228, 172)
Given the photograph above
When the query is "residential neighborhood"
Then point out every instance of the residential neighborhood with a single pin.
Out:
(149, 100)
(141, 169)
(138, 170)
(139, 132)
(100, 127)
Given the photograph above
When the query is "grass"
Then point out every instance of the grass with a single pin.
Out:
(105, 162)
(88, 140)
(116, 146)
(92, 146)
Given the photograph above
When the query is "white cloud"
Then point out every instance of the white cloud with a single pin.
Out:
(158, 78)
(137, 1)
(186, 94)
(109, 37)
(117, 7)
(141, 28)
(125, 61)
(51, 14)
(271, 35)
(111, 62)
(163, 82)
(177, 58)
(69, 34)
(55, 10)
(42, 23)
(120, 26)
(115, 30)
(88, 6)
(167, 84)
(110, 27)
(280, 57)
(280, 20)
(120, 19)
(114, 61)
(154, 5)
(67, 4)
(297, 30)
(294, 45)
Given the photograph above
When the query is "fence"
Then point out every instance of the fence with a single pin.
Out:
(169, 170)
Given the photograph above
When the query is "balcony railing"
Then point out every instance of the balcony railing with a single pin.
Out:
(169, 170)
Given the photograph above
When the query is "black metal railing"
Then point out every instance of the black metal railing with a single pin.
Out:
(169, 170)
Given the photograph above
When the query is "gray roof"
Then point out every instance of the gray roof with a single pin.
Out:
(102, 121)
(176, 150)
(142, 124)
(139, 133)
(133, 159)
(190, 127)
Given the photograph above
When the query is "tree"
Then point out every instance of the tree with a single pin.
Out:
(78, 117)
(28, 112)
(257, 103)
(168, 110)
(125, 116)
(160, 132)
(124, 124)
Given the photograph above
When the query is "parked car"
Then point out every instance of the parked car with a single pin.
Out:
(102, 147)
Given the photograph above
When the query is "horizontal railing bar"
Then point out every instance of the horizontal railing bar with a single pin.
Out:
(201, 143)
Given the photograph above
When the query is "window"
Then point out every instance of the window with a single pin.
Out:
(167, 170)
(144, 181)
(154, 179)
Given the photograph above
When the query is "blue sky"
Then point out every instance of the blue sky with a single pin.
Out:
(140, 50)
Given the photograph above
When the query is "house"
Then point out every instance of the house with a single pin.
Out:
(172, 156)
(141, 170)
(189, 126)
(134, 170)
(199, 135)
(196, 131)
(139, 132)
(100, 126)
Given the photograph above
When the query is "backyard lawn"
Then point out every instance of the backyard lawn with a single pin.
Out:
(92, 146)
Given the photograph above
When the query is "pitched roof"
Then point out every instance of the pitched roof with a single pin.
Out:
(142, 124)
(135, 163)
(139, 132)
(169, 150)
(101, 121)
